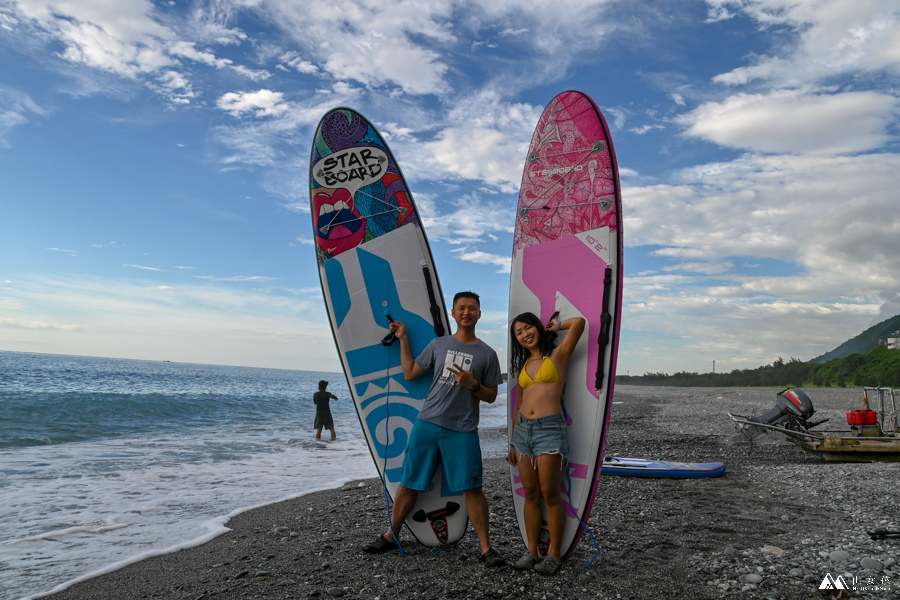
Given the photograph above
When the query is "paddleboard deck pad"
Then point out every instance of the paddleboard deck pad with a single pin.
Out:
(642, 467)
(375, 265)
(567, 258)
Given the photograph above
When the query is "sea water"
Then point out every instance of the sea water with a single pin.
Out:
(107, 461)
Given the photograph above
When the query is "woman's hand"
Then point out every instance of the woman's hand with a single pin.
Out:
(552, 325)
(513, 457)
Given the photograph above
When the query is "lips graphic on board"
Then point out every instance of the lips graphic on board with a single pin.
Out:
(338, 226)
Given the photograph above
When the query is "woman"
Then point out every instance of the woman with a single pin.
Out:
(539, 445)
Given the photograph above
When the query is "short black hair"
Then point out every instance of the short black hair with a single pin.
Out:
(323, 384)
(471, 295)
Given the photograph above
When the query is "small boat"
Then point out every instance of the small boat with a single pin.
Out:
(874, 435)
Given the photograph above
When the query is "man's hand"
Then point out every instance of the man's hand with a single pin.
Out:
(463, 377)
(398, 329)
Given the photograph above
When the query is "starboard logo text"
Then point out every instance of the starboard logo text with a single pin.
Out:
(352, 168)
(557, 171)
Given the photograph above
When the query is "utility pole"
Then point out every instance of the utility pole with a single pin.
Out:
(714, 367)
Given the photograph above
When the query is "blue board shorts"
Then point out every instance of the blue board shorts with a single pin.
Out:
(430, 446)
(544, 435)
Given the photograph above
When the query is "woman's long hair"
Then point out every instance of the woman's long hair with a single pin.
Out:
(520, 354)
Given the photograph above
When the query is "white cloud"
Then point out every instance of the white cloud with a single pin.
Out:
(829, 221)
(796, 121)
(238, 278)
(129, 39)
(64, 251)
(504, 263)
(370, 43)
(485, 139)
(479, 154)
(16, 109)
(132, 319)
(261, 103)
(415, 70)
(296, 62)
(36, 325)
(472, 220)
(833, 37)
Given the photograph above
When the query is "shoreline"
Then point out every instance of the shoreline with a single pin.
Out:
(773, 526)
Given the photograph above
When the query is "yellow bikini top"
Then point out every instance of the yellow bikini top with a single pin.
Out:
(546, 374)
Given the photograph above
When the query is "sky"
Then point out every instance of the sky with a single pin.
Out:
(154, 156)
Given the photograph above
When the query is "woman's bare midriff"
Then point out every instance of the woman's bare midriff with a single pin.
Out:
(541, 400)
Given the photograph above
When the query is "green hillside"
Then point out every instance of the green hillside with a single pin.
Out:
(864, 342)
(858, 362)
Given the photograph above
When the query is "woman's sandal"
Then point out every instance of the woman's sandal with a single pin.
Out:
(548, 566)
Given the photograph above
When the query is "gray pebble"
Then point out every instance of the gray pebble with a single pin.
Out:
(871, 564)
(839, 556)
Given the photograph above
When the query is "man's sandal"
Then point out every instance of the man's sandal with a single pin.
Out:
(380, 545)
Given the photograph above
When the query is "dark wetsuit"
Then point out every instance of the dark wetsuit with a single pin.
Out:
(323, 411)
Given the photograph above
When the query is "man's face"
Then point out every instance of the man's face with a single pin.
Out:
(466, 312)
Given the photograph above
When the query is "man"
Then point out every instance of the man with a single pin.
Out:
(322, 398)
(466, 371)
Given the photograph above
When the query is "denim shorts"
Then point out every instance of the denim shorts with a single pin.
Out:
(544, 435)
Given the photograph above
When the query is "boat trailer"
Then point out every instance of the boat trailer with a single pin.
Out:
(874, 435)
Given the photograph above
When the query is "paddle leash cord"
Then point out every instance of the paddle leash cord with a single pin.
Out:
(387, 432)
(569, 484)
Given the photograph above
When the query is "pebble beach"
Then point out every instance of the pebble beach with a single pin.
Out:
(776, 525)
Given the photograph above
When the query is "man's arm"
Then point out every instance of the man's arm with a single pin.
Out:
(411, 369)
(487, 394)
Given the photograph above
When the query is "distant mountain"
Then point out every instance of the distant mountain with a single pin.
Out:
(864, 342)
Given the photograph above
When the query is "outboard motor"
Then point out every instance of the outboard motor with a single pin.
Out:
(792, 410)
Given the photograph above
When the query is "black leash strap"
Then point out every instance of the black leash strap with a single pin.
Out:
(435, 309)
(605, 323)
(880, 534)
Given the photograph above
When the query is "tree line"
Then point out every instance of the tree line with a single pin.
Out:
(879, 368)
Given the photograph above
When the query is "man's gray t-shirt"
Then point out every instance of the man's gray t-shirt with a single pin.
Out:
(449, 404)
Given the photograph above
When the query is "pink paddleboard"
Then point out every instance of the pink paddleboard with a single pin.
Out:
(567, 257)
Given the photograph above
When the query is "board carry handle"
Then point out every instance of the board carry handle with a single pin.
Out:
(605, 322)
(435, 309)
(391, 337)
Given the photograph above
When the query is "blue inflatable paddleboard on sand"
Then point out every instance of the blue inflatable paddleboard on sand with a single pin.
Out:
(641, 467)
(375, 265)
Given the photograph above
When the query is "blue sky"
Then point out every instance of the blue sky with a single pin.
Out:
(154, 160)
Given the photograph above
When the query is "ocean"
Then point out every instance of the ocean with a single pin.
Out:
(107, 461)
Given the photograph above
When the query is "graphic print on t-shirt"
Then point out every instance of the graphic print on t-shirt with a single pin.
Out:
(463, 360)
